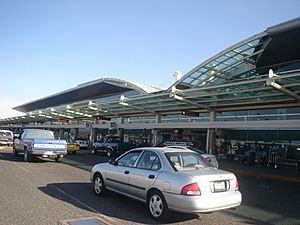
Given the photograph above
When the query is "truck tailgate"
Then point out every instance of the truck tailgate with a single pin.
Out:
(49, 145)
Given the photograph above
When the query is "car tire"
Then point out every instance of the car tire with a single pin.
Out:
(98, 185)
(58, 159)
(157, 206)
(26, 155)
(15, 153)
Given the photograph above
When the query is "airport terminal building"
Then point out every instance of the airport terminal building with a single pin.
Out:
(248, 92)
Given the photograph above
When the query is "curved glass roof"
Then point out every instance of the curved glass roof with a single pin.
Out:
(228, 81)
(225, 66)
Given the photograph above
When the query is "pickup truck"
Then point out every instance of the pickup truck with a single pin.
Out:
(112, 146)
(38, 142)
(6, 137)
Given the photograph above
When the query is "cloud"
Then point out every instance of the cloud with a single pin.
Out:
(6, 110)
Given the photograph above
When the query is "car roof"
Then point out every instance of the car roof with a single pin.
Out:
(165, 149)
(30, 129)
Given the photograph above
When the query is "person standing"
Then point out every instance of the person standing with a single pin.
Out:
(253, 148)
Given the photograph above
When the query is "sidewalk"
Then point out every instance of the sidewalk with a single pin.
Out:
(286, 174)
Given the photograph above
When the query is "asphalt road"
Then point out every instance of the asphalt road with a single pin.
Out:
(45, 192)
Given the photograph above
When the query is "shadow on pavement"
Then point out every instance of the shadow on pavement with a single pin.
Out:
(7, 155)
(113, 205)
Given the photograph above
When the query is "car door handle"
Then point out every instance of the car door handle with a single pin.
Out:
(126, 172)
(151, 176)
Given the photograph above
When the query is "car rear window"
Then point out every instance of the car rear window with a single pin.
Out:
(40, 134)
(186, 161)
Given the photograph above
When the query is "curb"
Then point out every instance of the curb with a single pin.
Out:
(268, 176)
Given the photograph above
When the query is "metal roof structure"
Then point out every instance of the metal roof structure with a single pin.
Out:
(262, 71)
(91, 90)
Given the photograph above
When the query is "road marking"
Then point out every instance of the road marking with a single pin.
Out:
(85, 205)
(22, 168)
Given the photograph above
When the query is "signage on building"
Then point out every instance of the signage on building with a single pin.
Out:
(88, 125)
(189, 113)
(113, 125)
(103, 118)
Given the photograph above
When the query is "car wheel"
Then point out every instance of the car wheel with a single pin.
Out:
(26, 155)
(58, 159)
(98, 185)
(15, 153)
(158, 206)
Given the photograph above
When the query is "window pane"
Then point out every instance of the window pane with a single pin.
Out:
(129, 159)
(186, 161)
(149, 160)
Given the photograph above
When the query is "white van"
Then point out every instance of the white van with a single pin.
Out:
(6, 137)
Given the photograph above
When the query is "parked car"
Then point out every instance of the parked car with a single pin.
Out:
(209, 157)
(72, 146)
(38, 142)
(83, 143)
(6, 137)
(167, 179)
(191, 146)
(112, 146)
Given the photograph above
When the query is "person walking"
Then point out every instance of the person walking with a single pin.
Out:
(263, 156)
(252, 157)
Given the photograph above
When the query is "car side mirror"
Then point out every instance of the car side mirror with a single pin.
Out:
(113, 162)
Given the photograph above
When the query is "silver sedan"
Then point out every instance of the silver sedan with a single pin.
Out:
(168, 179)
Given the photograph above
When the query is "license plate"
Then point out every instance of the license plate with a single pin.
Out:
(219, 186)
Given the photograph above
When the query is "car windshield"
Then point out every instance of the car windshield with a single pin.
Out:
(114, 139)
(5, 133)
(186, 161)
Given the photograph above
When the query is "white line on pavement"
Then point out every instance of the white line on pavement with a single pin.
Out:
(92, 209)
(22, 168)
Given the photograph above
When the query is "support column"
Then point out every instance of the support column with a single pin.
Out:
(155, 132)
(96, 129)
(211, 135)
(76, 129)
(92, 136)
(120, 131)
(61, 132)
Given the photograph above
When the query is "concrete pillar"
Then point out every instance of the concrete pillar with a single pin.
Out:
(96, 130)
(120, 131)
(155, 134)
(92, 136)
(61, 132)
(211, 135)
(76, 129)
(76, 133)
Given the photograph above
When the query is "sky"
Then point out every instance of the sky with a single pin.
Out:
(50, 46)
